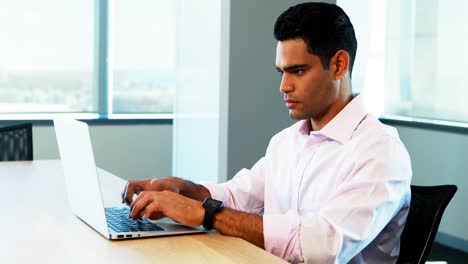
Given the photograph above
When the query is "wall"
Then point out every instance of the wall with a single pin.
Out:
(129, 151)
(256, 108)
(440, 158)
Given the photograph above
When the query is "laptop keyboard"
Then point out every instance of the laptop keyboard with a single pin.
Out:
(118, 219)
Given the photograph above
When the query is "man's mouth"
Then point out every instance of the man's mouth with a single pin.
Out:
(291, 103)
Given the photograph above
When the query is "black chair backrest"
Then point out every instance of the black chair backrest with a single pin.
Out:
(16, 142)
(427, 206)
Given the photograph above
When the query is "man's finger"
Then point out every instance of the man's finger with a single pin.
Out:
(153, 212)
(132, 189)
(138, 206)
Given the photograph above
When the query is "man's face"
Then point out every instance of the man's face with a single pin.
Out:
(309, 90)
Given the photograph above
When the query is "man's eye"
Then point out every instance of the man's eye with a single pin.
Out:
(299, 72)
(280, 72)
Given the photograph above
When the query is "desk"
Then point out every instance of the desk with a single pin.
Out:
(38, 227)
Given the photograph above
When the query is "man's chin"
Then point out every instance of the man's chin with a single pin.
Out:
(297, 116)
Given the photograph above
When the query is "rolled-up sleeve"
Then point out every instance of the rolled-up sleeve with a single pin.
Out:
(244, 192)
(340, 230)
(281, 233)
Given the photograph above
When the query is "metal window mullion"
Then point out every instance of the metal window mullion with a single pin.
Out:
(101, 56)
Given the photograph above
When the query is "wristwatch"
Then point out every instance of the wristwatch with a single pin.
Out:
(212, 207)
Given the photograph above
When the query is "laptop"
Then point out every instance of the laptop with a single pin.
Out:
(84, 191)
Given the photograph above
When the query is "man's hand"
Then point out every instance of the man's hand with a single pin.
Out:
(172, 184)
(157, 204)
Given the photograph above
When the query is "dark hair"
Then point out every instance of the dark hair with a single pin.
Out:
(324, 27)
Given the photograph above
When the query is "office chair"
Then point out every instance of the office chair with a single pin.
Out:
(16, 142)
(427, 206)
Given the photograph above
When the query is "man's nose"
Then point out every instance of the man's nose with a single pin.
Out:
(286, 85)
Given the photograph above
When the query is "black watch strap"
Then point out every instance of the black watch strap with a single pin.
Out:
(212, 207)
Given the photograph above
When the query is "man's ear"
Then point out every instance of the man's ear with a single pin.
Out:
(339, 64)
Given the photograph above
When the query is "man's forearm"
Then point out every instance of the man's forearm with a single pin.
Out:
(239, 224)
(230, 222)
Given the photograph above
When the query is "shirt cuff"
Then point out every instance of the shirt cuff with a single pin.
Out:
(217, 192)
(281, 235)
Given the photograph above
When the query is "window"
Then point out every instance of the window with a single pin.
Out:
(88, 57)
(410, 59)
(142, 49)
(46, 56)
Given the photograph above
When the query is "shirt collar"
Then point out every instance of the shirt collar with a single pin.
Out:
(342, 126)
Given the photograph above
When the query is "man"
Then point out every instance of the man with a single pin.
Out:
(332, 188)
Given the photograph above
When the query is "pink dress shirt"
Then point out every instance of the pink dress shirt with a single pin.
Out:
(338, 195)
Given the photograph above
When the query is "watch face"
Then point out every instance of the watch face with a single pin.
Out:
(212, 203)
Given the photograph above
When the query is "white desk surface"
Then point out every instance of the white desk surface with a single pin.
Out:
(38, 227)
